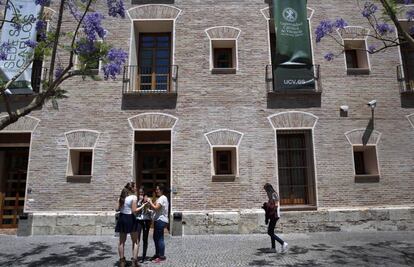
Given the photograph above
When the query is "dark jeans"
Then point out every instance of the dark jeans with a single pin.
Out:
(271, 232)
(144, 225)
(159, 238)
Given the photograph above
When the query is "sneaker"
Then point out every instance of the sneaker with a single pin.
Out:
(153, 257)
(157, 260)
(284, 247)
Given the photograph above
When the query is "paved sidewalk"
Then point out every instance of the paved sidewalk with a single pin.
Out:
(316, 249)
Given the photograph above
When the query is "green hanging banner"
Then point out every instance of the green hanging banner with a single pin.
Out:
(292, 67)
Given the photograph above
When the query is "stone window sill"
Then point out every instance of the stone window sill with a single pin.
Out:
(78, 178)
(358, 71)
(224, 178)
(367, 178)
(223, 71)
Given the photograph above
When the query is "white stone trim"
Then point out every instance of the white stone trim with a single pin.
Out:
(152, 129)
(236, 146)
(410, 118)
(292, 127)
(364, 37)
(14, 127)
(82, 130)
(171, 129)
(132, 40)
(154, 5)
(229, 38)
(348, 136)
(275, 128)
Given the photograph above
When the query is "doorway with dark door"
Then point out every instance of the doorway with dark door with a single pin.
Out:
(153, 161)
(14, 158)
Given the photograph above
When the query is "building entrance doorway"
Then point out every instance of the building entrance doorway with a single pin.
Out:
(14, 157)
(295, 164)
(153, 161)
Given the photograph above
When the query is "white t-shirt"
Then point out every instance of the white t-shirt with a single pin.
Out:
(162, 213)
(127, 207)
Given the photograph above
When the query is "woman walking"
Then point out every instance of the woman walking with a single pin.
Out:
(160, 222)
(144, 221)
(127, 223)
(273, 214)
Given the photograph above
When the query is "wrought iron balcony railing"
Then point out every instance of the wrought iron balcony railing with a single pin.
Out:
(406, 84)
(271, 82)
(150, 80)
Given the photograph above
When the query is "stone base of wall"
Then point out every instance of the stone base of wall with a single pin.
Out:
(322, 220)
(102, 223)
(243, 222)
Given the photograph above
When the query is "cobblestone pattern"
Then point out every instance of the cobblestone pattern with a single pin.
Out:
(329, 249)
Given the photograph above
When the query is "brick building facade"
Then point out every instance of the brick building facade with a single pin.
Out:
(216, 131)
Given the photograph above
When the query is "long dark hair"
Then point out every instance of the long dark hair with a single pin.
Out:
(269, 190)
(126, 191)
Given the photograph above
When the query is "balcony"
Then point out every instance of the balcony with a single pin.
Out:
(271, 83)
(159, 80)
(406, 84)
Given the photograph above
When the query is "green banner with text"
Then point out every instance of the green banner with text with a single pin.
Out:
(292, 67)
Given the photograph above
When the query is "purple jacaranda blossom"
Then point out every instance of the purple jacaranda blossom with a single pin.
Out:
(116, 8)
(92, 26)
(410, 14)
(42, 2)
(326, 27)
(85, 47)
(329, 56)
(369, 9)
(58, 71)
(371, 49)
(384, 28)
(116, 58)
(340, 23)
(30, 43)
(4, 50)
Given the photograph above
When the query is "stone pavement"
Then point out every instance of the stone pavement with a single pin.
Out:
(315, 249)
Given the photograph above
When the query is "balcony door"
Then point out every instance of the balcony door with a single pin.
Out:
(154, 62)
(295, 164)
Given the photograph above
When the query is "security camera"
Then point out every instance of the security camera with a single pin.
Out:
(372, 103)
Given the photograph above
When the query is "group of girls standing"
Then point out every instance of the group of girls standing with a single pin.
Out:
(136, 215)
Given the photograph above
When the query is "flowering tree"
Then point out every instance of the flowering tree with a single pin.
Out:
(86, 41)
(383, 18)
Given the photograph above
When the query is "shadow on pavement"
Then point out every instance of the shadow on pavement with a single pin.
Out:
(75, 255)
(387, 253)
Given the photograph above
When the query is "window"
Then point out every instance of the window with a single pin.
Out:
(152, 56)
(93, 65)
(356, 57)
(154, 61)
(85, 163)
(407, 56)
(366, 164)
(224, 56)
(295, 167)
(225, 161)
(80, 162)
